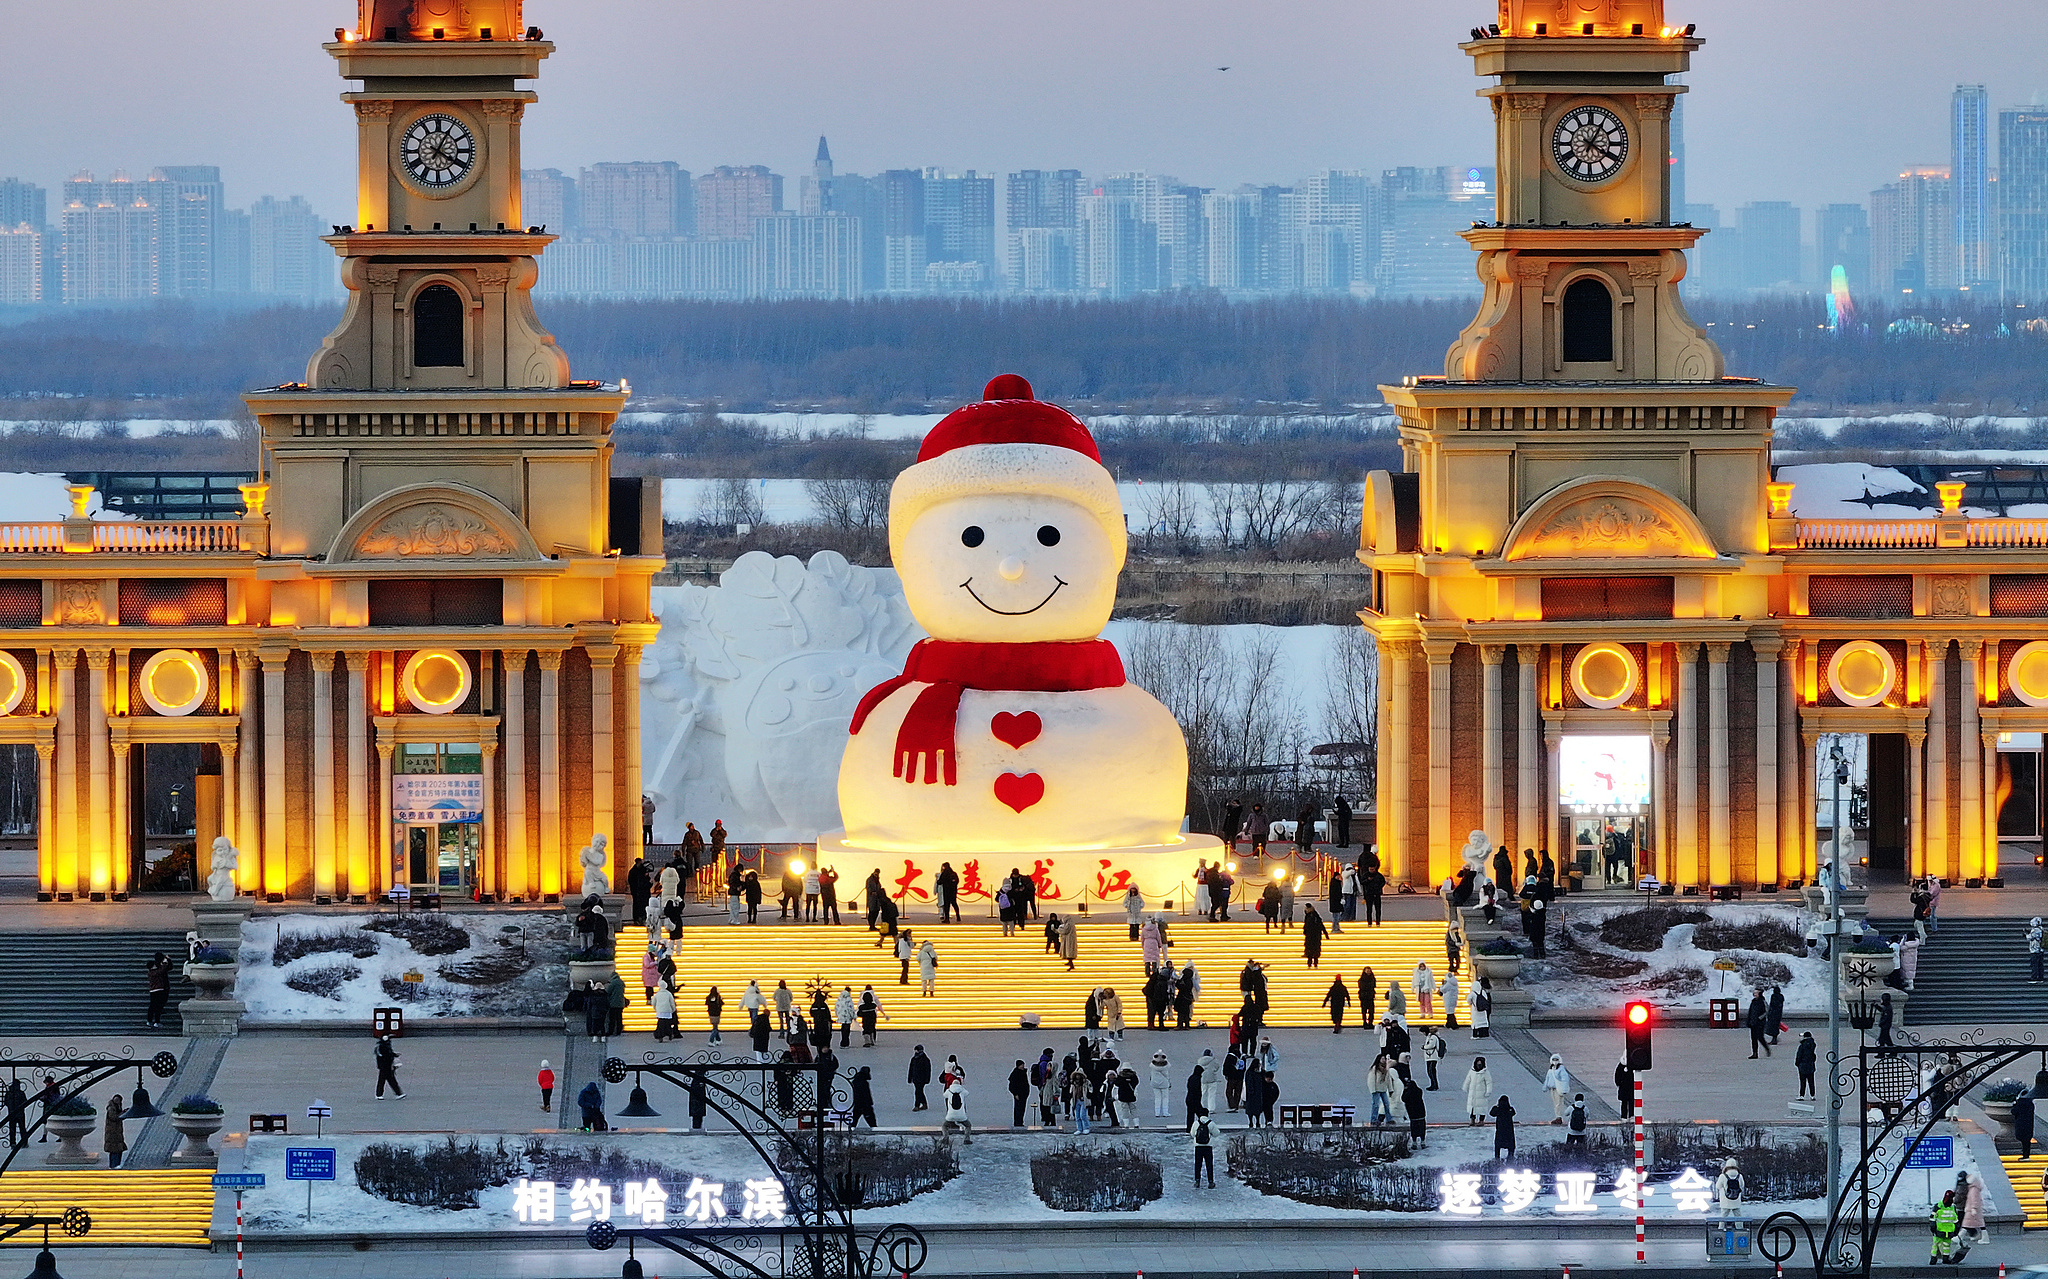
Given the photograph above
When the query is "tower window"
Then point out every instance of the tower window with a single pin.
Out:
(1588, 323)
(437, 328)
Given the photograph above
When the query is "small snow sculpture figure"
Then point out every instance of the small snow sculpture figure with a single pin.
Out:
(220, 881)
(595, 882)
(1477, 848)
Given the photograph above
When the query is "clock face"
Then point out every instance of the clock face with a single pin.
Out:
(1590, 144)
(438, 152)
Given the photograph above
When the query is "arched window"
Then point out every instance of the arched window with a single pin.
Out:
(1588, 323)
(437, 328)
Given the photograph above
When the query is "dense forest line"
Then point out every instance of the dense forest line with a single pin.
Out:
(1154, 354)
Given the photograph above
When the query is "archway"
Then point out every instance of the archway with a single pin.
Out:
(1588, 322)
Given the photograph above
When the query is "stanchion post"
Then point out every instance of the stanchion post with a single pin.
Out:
(238, 1232)
(1641, 1197)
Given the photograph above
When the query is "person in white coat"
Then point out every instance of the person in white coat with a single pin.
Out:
(1728, 1189)
(1112, 1006)
(843, 1013)
(1134, 908)
(1162, 1086)
(1478, 1091)
(752, 999)
(1482, 1010)
(1212, 1082)
(1557, 1081)
(928, 967)
(1450, 1001)
(1424, 985)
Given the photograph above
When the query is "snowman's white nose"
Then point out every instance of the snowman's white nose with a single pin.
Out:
(1011, 568)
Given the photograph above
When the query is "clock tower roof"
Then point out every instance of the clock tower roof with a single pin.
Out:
(1582, 17)
(463, 20)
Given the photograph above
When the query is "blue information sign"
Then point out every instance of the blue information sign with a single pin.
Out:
(237, 1180)
(309, 1163)
(1932, 1152)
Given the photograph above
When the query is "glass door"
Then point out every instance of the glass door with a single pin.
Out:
(459, 843)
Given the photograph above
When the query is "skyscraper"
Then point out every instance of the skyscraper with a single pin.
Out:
(904, 245)
(1041, 206)
(2023, 202)
(960, 221)
(807, 256)
(730, 198)
(191, 201)
(1913, 233)
(1970, 172)
(634, 199)
(1422, 255)
(21, 264)
(110, 240)
(286, 257)
(1770, 245)
(1233, 241)
(23, 202)
(1116, 251)
(547, 197)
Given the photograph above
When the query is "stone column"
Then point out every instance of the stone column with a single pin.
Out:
(1791, 847)
(248, 825)
(1660, 768)
(551, 873)
(1970, 788)
(1530, 827)
(390, 874)
(520, 879)
(603, 759)
(1492, 753)
(1395, 813)
(1916, 803)
(230, 793)
(1937, 759)
(1720, 865)
(1442, 847)
(118, 850)
(1990, 772)
(358, 858)
(323, 776)
(1686, 853)
(489, 871)
(64, 705)
(629, 728)
(1553, 738)
(98, 785)
(46, 821)
(1808, 800)
(276, 876)
(1766, 651)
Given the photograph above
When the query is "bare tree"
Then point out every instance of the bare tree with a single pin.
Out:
(1276, 511)
(1173, 518)
(1351, 714)
(736, 502)
(1242, 725)
(1223, 507)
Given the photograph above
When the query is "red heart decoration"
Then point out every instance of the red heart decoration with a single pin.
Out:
(1020, 793)
(1016, 731)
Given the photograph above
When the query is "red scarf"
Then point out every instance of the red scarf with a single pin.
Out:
(930, 729)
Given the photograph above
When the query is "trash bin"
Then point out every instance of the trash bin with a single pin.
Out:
(388, 1021)
(1728, 1238)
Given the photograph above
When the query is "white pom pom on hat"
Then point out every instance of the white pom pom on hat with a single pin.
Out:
(1009, 443)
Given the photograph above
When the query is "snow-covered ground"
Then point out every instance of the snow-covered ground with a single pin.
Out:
(1556, 984)
(535, 992)
(29, 498)
(1839, 490)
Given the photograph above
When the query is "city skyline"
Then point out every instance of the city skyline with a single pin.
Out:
(1299, 97)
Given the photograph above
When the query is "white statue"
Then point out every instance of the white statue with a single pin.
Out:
(1475, 852)
(594, 859)
(220, 881)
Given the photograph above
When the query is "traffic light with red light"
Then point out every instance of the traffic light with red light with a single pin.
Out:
(1637, 1020)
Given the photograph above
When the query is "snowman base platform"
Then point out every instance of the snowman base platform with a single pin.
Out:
(1162, 872)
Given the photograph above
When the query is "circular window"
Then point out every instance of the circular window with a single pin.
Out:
(13, 683)
(436, 681)
(174, 682)
(2027, 673)
(1605, 675)
(1862, 673)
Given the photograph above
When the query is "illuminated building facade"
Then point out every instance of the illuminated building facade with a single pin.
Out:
(411, 664)
(1595, 609)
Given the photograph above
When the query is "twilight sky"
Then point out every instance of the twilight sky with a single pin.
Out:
(1811, 101)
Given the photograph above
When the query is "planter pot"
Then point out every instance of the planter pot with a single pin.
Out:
(195, 1129)
(1472, 923)
(1501, 970)
(2000, 1113)
(69, 1131)
(1867, 970)
(213, 981)
(584, 971)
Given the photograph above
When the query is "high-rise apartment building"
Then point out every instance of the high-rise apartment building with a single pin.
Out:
(1842, 238)
(286, 257)
(547, 197)
(960, 221)
(1233, 241)
(191, 201)
(799, 256)
(1043, 197)
(1116, 251)
(1970, 173)
(2023, 203)
(1041, 206)
(21, 264)
(635, 199)
(111, 232)
(1770, 245)
(23, 202)
(729, 200)
(1041, 259)
(905, 248)
(1913, 246)
(1425, 209)
(231, 252)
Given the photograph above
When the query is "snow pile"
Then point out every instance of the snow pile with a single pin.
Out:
(1561, 981)
(500, 983)
(30, 498)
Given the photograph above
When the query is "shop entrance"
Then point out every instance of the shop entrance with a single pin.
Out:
(1609, 850)
(442, 857)
(437, 812)
(1604, 796)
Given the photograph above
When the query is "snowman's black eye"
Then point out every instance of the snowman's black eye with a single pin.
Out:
(1048, 536)
(971, 535)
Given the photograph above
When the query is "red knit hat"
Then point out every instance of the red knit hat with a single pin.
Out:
(1009, 443)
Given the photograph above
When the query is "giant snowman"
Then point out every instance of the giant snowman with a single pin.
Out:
(1013, 730)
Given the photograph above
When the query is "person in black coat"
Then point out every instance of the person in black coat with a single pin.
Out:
(1254, 1094)
(1884, 1021)
(591, 1102)
(1774, 1012)
(872, 890)
(1336, 998)
(1418, 1120)
(698, 1104)
(640, 883)
(920, 1077)
(864, 1098)
(1804, 1059)
(1503, 1113)
(1184, 997)
(1312, 932)
(1020, 1093)
(16, 1101)
(948, 885)
(1757, 1020)
(757, 1031)
(1343, 807)
(2023, 1123)
(1191, 1101)
(750, 889)
(386, 1056)
(1625, 1089)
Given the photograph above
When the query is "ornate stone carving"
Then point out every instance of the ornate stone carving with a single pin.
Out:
(434, 530)
(494, 277)
(1949, 597)
(1651, 105)
(78, 604)
(1645, 268)
(373, 110)
(510, 107)
(1526, 106)
(1608, 526)
(1531, 268)
(381, 276)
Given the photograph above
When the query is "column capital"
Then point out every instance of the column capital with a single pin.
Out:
(45, 750)
(1439, 651)
(98, 658)
(1970, 649)
(1792, 647)
(1399, 650)
(1990, 736)
(551, 658)
(121, 749)
(1688, 651)
(514, 658)
(1767, 647)
(490, 749)
(1916, 738)
(602, 654)
(1717, 654)
(230, 748)
(65, 658)
(246, 659)
(322, 659)
(274, 660)
(1810, 737)
(1529, 654)
(358, 662)
(629, 654)
(1492, 654)
(385, 747)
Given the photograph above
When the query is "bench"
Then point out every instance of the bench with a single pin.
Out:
(1327, 1114)
(268, 1123)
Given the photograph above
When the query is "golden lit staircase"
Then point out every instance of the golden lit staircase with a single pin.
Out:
(2025, 1176)
(987, 981)
(167, 1208)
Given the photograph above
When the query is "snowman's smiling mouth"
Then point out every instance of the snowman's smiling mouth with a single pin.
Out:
(968, 586)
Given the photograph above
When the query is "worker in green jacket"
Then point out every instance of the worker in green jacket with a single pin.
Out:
(1947, 1219)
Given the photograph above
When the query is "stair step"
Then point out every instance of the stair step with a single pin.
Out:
(159, 1208)
(83, 983)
